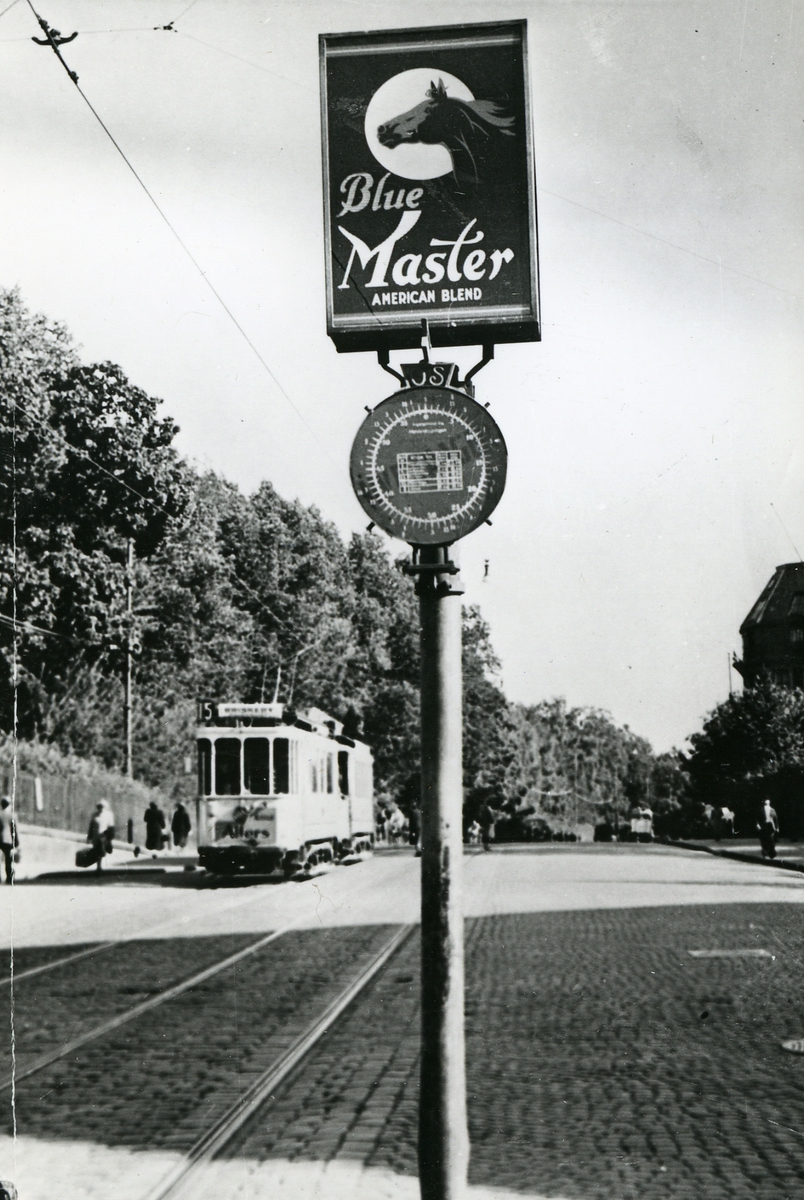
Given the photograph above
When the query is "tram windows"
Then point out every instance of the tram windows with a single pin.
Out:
(227, 767)
(330, 773)
(257, 766)
(204, 766)
(281, 766)
(343, 772)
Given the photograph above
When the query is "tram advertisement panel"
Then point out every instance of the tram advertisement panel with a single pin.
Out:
(429, 188)
(248, 820)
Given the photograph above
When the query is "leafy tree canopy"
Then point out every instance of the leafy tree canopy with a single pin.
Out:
(234, 597)
(752, 745)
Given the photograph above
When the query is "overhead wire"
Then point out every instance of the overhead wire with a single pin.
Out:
(79, 450)
(13, 623)
(184, 11)
(248, 62)
(74, 77)
(715, 262)
(84, 454)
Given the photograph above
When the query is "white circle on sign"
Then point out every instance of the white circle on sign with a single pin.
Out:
(397, 97)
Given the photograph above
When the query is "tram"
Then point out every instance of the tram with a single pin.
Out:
(279, 790)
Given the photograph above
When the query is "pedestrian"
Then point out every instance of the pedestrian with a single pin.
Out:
(180, 825)
(415, 829)
(9, 841)
(101, 832)
(154, 820)
(396, 826)
(768, 826)
(485, 819)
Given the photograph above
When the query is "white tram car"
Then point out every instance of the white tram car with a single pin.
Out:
(279, 791)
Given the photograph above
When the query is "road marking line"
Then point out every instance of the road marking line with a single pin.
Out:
(751, 952)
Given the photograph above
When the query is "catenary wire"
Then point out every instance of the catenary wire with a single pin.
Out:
(83, 454)
(274, 74)
(715, 262)
(179, 239)
(158, 508)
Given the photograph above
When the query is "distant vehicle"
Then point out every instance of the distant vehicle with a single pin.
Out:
(279, 790)
(642, 825)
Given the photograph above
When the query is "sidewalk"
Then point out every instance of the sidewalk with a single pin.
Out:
(46, 851)
(789, 855)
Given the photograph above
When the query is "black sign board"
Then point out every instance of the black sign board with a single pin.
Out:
(429, 189)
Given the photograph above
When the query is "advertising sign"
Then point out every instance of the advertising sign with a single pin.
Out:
(429, 189)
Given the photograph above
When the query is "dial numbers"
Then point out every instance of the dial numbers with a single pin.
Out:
(428, 465)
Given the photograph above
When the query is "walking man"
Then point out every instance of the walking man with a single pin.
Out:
(768, 826)
(101, 832)
(9, 840)
(154, 827)
(485, 819)
(180, 826)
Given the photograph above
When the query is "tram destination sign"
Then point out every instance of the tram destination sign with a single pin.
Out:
(428, 465)
(429, 188)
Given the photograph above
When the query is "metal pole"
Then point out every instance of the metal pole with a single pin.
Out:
(129, 769)
(443, 1133)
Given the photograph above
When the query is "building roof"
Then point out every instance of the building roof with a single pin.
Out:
(781, 598)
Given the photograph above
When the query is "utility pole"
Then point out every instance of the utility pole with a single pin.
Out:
(443, 1131)
(129, 767)
(438, 443)
(428, 464)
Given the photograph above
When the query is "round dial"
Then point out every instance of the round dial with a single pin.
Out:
(428, 465)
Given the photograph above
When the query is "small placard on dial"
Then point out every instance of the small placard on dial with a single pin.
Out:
(428, 465)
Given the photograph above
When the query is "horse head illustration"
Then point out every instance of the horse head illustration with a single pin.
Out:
(470, 129)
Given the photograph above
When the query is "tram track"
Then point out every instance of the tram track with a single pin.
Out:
(94, 1033)
(222, 1092)
(137, 1010)
(180, 1182)
(99, 948)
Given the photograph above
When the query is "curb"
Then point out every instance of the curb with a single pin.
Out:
(739, 856)
(66, 835)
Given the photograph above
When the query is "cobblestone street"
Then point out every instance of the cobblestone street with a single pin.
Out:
(605, 1062)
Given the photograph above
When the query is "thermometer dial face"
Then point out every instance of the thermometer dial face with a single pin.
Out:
(428, 465)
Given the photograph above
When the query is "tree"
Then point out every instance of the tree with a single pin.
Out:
(488, 724)
(92, 465)
(750, 746)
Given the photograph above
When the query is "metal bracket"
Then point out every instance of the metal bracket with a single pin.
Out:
(488, 355)
(427, 348)
(383, 358)
(433, 577)
(445, 568)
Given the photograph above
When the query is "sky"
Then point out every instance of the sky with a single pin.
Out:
(655, 434)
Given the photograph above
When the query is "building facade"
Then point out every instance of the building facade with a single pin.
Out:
(773, 631)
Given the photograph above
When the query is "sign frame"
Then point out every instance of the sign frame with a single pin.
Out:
(368, 308)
